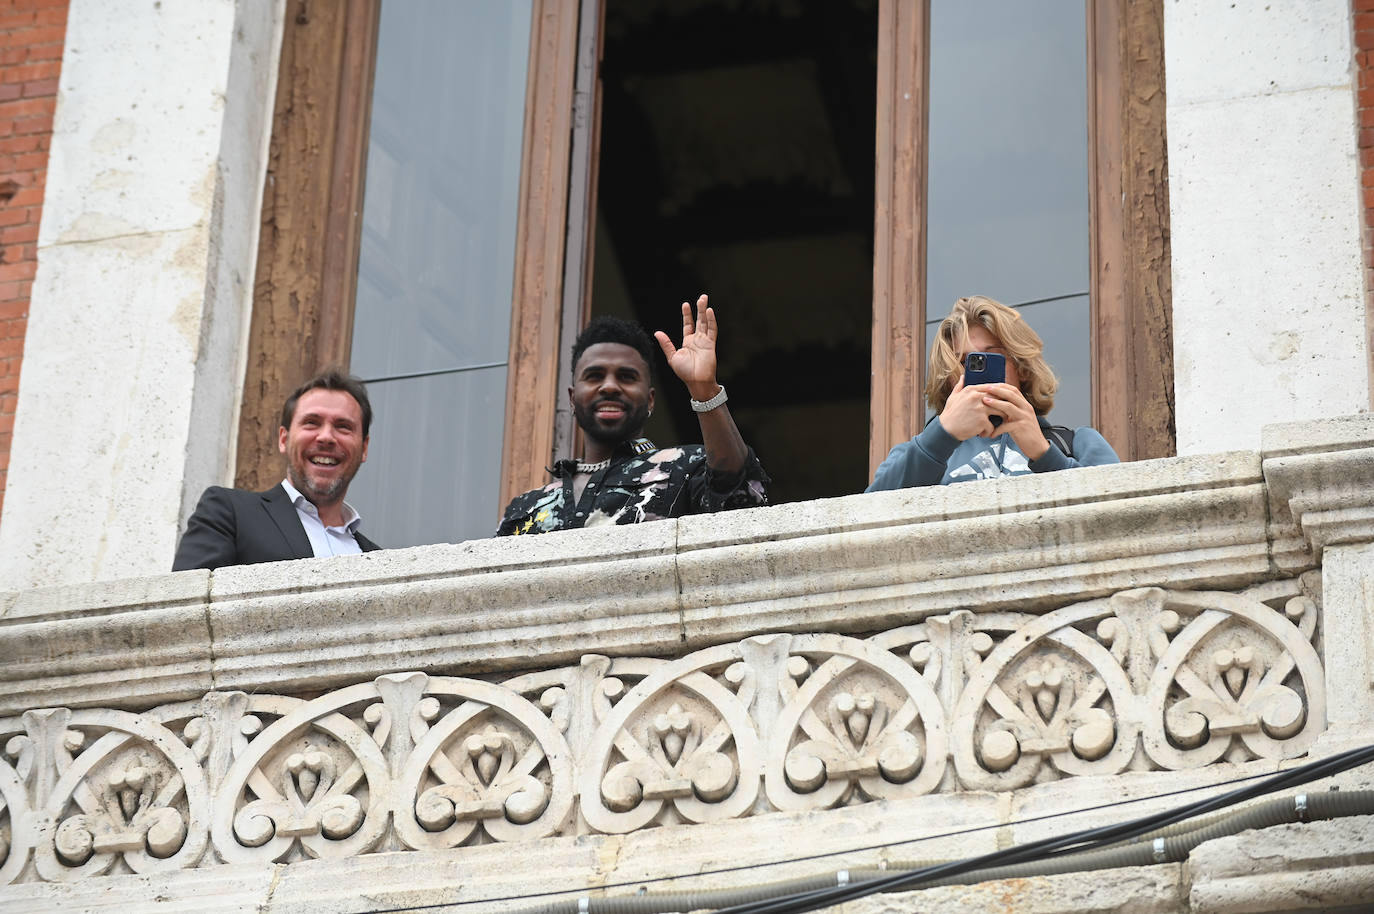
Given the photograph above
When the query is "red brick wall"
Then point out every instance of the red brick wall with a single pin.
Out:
(31, 40)
(1364, 65)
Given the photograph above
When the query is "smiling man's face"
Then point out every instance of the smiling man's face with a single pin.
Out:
(611, 395)
(324, 445)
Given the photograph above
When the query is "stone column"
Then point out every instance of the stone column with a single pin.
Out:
(1348, 613)
(1264, 194)
(134, 355)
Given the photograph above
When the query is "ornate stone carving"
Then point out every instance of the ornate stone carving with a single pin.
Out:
(857, 724)
(677, 745)
(486, 763)
(312, 780)
(1238, 680)
(115, 792)
(1194, 678)
(1049, 700)
(1145, 679)
(16, 820)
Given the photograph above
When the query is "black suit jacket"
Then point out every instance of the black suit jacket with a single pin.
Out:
(234, 527)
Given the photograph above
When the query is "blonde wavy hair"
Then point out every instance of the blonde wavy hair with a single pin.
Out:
(1021, 343)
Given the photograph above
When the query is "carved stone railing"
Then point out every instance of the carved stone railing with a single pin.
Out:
(1067, 633)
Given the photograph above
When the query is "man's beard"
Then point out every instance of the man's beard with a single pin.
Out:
(623, 430)
(314, 494)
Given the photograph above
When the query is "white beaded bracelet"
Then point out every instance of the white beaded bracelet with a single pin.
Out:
(705, 406)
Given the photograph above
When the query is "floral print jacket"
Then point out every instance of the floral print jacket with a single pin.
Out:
(642, 483)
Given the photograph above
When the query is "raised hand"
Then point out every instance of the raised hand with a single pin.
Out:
(965, 414)
(695, 360)
(1018, 418)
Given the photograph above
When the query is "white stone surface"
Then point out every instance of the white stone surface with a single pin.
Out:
(1223, 51)
(93, 491)
(517, 602)
(1320, 477)
(1285, 439)
(1348, 602)
(1026, 543)
(1136, 890)
(63, 645)
(1316, 866)
(857, 564)
(1268, 297)
(1065, 711)
(1284, 868)
(146, 255)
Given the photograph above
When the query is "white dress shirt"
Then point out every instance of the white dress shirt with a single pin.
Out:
(325, 541)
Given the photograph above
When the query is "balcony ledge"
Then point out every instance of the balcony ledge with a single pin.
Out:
(870, 667)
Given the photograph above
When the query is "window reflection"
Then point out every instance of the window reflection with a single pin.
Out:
(432, 319)
(1007, 192)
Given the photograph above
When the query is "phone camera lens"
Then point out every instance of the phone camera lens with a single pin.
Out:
(977, 362)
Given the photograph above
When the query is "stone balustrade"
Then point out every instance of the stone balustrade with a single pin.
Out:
(864, 669)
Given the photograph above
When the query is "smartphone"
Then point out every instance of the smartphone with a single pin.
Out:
(985, 368)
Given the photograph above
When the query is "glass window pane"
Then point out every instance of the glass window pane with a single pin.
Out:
(1007, 209)
(437, 259)
(431, 473)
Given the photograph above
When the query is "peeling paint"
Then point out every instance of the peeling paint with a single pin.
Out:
(95, 226)
(114, 136)
(209, 193)
(186, 321)
(607, 860)
(113, 179)
(1285, 344)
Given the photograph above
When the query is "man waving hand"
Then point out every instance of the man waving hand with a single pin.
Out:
(623, 478)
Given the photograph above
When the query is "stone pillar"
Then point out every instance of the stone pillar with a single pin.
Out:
(1348, 613)
(1264, 195)
(134, 354)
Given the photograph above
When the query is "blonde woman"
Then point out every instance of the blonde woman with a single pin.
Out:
(962, 442)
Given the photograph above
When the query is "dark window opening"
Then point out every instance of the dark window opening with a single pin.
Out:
(737, 159)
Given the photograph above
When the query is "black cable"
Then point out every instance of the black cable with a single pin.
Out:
(822, 855)
(433, 372)
(958, 866)
(1049, 847)
(1027, 304)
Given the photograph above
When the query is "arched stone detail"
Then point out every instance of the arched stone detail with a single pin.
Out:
(313, 782)
(1236, 676)
(857, 724)
(679, 743)
(494, 763)
(127, 789)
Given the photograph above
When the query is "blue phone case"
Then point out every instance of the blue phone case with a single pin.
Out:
(990, 369)
(985, 368)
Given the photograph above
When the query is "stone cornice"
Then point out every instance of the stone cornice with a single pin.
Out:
(1320, 477)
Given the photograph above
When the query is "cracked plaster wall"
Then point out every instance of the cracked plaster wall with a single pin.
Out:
(144, 285)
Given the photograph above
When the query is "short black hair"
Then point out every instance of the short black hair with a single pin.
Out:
(330, 379)
(607, 329)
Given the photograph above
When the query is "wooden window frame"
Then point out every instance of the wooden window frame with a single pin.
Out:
(312, 226)
(312, 217)
(1130, 284)
(896, 403)
(1129, 256)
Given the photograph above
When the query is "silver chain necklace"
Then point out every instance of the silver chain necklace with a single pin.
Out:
(593, 467)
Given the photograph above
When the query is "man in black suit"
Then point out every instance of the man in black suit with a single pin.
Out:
(324, 435)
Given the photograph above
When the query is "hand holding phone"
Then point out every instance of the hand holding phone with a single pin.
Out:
(985, 368)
